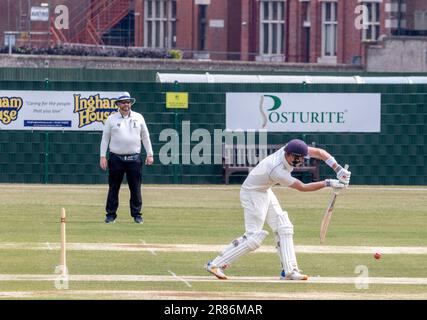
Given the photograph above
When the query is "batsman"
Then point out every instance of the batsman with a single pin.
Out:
(260, 204)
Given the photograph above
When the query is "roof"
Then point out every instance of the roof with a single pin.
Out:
(238, 78)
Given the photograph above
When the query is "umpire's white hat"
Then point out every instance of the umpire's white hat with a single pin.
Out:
(125, 96)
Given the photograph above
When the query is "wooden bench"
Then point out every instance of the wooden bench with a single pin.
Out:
(243, 158)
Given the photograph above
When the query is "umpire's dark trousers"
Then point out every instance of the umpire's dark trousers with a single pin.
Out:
(118, 165)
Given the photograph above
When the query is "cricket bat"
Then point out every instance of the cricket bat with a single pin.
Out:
(328, 214)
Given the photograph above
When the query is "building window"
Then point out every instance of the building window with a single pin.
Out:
(306, 12)
(160, 23)
(420, 21)
(329, 29)
(306, 25)
(272, 28)
(201, 43)
(371, 21)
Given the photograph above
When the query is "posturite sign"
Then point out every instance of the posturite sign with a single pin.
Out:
(304, 112)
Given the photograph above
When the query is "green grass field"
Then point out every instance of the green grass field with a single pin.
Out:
(375, 217)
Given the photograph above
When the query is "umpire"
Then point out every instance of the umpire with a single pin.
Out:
(122, 135)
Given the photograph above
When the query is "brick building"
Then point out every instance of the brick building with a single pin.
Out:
(316, 31)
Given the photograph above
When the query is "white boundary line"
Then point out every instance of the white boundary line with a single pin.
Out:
(157, 247)
(188, 279)
(180, 279)
(195, 187)
(279, 187)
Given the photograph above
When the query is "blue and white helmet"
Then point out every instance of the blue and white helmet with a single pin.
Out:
(125, 96)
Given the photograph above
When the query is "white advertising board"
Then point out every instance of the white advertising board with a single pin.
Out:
(56, 110)
(304, 112)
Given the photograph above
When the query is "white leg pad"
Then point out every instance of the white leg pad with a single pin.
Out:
(285, 245)
(240, 247)
(255, 240)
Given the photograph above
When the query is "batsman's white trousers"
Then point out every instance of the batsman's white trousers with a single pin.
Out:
(260, 207)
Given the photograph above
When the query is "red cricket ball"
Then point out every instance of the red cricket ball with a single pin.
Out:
(377, 255)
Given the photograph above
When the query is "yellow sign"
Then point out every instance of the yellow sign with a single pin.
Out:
(177, 100)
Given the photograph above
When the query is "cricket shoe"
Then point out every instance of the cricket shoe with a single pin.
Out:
(110, 219)
(216, 271)
(293, 275)
(138, 219)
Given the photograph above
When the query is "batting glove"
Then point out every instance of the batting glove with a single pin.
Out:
(343, 175)
(335, 184)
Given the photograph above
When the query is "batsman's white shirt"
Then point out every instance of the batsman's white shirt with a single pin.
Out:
(123, 135)
(272, 170)
(257, 198)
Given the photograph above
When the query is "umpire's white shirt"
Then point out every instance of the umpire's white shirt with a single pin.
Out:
(123, 135)
(272, 170)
